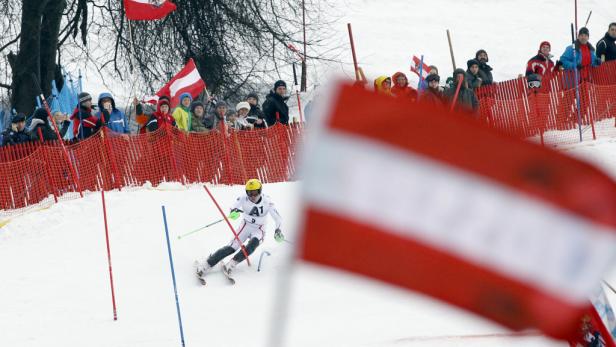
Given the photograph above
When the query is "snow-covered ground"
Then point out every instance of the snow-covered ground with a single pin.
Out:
(55, 285)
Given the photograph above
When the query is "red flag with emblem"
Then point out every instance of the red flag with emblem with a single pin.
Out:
(148, 9)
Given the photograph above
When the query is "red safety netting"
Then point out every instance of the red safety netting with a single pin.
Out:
(35, 175)
(550, 114)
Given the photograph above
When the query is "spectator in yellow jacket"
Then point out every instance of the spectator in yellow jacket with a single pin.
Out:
(181, 114)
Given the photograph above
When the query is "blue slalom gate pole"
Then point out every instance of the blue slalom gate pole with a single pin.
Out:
(175, 288)
(577, 87)
(420, 77)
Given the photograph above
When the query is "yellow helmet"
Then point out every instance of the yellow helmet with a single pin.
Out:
(253, 184)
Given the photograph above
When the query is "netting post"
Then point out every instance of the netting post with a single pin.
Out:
(109, 152)
(174, 164)
(240, 156)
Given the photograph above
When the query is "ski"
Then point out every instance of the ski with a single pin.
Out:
(200, 275)
(227, 274)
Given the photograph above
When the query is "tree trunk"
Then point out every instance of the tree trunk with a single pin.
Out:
(50, 30)
(40, 26)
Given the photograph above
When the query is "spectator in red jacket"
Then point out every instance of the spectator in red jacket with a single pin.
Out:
(162, 117)
(401, 86)
(542, 63)
(85, 123)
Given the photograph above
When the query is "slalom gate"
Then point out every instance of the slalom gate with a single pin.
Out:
(35, 175)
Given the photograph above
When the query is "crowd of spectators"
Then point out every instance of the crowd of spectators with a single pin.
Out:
(190, 115)
(214, 114)
(580, 56)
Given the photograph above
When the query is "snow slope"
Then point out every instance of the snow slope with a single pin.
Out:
(55, 285)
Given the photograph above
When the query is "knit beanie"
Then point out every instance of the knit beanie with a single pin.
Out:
(584, 31)
(83, 97)
(196, 104)
(280, 83)
(545, 43)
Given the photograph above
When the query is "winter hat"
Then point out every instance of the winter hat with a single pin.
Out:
(186, 95)
(196, 104)
(20, 117)
(221, 103)
(83, 97)
(472, 62)
(280, 83)
(241, 105)
(545, 43)
(458, 72)
(584, 31)
(479, 52)
(163, 100)
(40, 113)
(253, 95)
(433, 77)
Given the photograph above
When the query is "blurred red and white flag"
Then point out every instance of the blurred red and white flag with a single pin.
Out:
(151, 99)
(148, 9)
(186, 81)
(434, 202)
(416, 65)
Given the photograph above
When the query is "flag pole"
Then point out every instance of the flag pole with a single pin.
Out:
(453, 59)
(132, 58)
(353, 51)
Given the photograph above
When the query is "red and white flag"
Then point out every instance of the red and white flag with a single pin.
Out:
(439, 204)
(415, 67)
(186, 81)
(148, 9)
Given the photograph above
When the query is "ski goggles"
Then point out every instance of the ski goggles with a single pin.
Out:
(253, 193)
(534, 84)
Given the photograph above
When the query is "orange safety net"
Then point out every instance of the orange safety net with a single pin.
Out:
(36, 175)
(550, 114)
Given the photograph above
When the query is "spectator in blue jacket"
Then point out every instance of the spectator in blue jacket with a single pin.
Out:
(585, 54)
(116, 119)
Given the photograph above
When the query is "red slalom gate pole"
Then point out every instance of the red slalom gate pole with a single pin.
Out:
(55, 127)
(115, 312)
(455, 98)
(353, 51)
(228, 223)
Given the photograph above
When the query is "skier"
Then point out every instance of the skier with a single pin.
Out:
(254, 207)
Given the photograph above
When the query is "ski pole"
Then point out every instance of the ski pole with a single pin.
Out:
(261, 259)
(194, 231)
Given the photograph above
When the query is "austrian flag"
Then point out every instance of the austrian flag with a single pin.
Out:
(148, 9)
(439, 204)
(188, 80)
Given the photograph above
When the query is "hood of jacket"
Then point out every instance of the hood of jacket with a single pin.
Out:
(106, 96)
(185, 95)
(394, 80)
(378, 84)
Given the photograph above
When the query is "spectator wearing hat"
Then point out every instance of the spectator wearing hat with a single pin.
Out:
(239, 120)
(485, 70)
(216, 120)
(162, 118)
(16, 133)
(182, 114)
(467, 100)
(433, 94)
(197, 111)
(39, 126)
(382, 85)
(116, 119)
(401, 87)
(85, 123)
(275, 106)
(606, 47)
(255, 115)
(472, 74)
(542, 63)
(584, 54)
